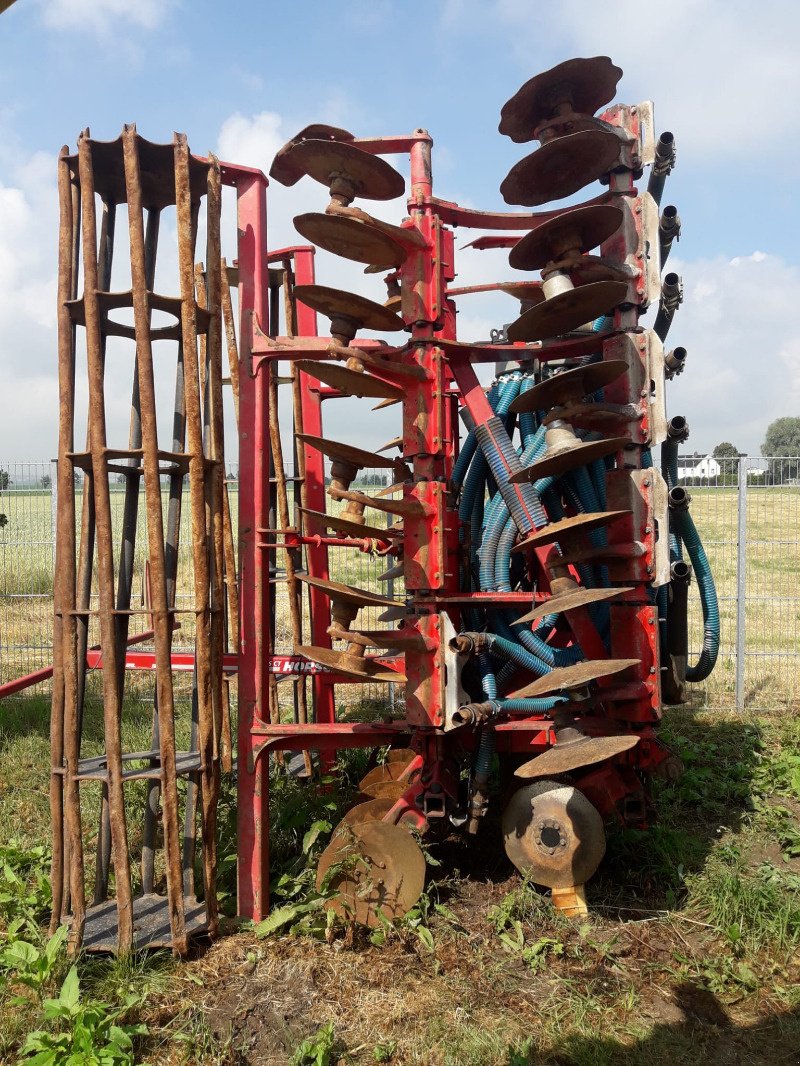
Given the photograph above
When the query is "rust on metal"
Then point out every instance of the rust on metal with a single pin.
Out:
(569, 385)
(563, 678)
(561, 167)
(567, 311)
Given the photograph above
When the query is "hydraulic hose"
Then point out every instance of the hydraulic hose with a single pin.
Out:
(687, 532)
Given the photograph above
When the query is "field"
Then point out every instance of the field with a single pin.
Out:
(690, 952)
(689, 955)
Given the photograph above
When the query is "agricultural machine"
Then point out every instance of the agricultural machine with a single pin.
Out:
(543, 614)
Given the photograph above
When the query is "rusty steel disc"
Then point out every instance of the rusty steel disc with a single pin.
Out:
(569, 527)
(351, 529)
(388, 771)
(352, 382)
(579, 231)
(585, 84)
(325, 160)
(347, 593)
(382, 869)
(374, 810)
(362, 669)
(560, 462)
(335, 449)
(401, 755)
(398, 613)
(394, 573)
(351, 238)
(571, 754)
(564, 678)
(581, 597)
(569, 385)
(289, 173)
(336, 303)
(392, 790)
(611, 553)
(561, 167)
(553, 834)
(395, 442)
(568, 311)
(408, 507)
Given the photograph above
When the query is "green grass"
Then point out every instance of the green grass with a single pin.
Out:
(690, 949)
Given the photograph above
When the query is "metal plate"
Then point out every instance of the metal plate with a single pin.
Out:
(351, 239)
(287, 173)
(383, 870)
(335, 449)
(569, 527)
(561, 167)
(564, 678)
(351, 382)
(581, 597)
(392, 790)
(569, 385)
(151, 928)
(569, 459)
(563, 758)
(579, 230)
(553, 834)
(336, 303)
(373, 177)
(567, 311)
(339, 663)
(587, 84)
(351, 529)
(409, 507)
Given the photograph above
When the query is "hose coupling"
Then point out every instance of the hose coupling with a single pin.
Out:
(679, 499)
(680, 572)
(671, 291)
(669, 225)
(665, 154)
(476, 713)
(678, 429)
(674, 362)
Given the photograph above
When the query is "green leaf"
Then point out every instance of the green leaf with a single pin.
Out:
(70, 990)
(425, 936)
(279, 918)
(313, 833)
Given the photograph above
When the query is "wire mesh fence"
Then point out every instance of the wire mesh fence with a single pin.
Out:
(746, 509)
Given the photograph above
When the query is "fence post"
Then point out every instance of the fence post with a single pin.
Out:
(741, 571)
(53, 504)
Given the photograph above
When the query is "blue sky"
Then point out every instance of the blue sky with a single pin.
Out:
(241, 78)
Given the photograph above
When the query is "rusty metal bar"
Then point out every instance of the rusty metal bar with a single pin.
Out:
(112, 710)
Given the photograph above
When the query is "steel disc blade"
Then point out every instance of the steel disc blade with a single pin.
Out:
(337, 303)
(352, 382)
(283, 170)
(348, 453)
(401, 755)
(408, 507)
(351, 239)
(579, 230)
(392, 790)
(347, 593)
(557, 463)
(581, 597)
(388, 771)
(553, 834)
(324, 160)
(395, 442)
(569, 527)
(381, 870)
(561, 167)
(564, 678)
(567, 311)
(390, 401)
(587, 84)
(351, 529)
(563, 758)
(374, 810)
(569, 385)
(363, 669)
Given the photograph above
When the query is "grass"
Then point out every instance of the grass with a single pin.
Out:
(689, 954)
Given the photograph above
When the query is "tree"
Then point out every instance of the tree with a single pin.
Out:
(5, 480)
(44, 481)
(726, 450)
(782, 443)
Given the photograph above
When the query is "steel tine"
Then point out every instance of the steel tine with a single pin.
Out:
(155, 535)
(105, 565)
(230, 338)
(186, 217)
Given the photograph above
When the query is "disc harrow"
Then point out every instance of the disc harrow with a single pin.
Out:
(526, 618)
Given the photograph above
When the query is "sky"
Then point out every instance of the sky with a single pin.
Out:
(241, 78)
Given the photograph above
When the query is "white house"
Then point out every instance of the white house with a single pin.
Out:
(698, 466)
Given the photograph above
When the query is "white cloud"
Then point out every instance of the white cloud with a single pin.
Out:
(103, 15)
